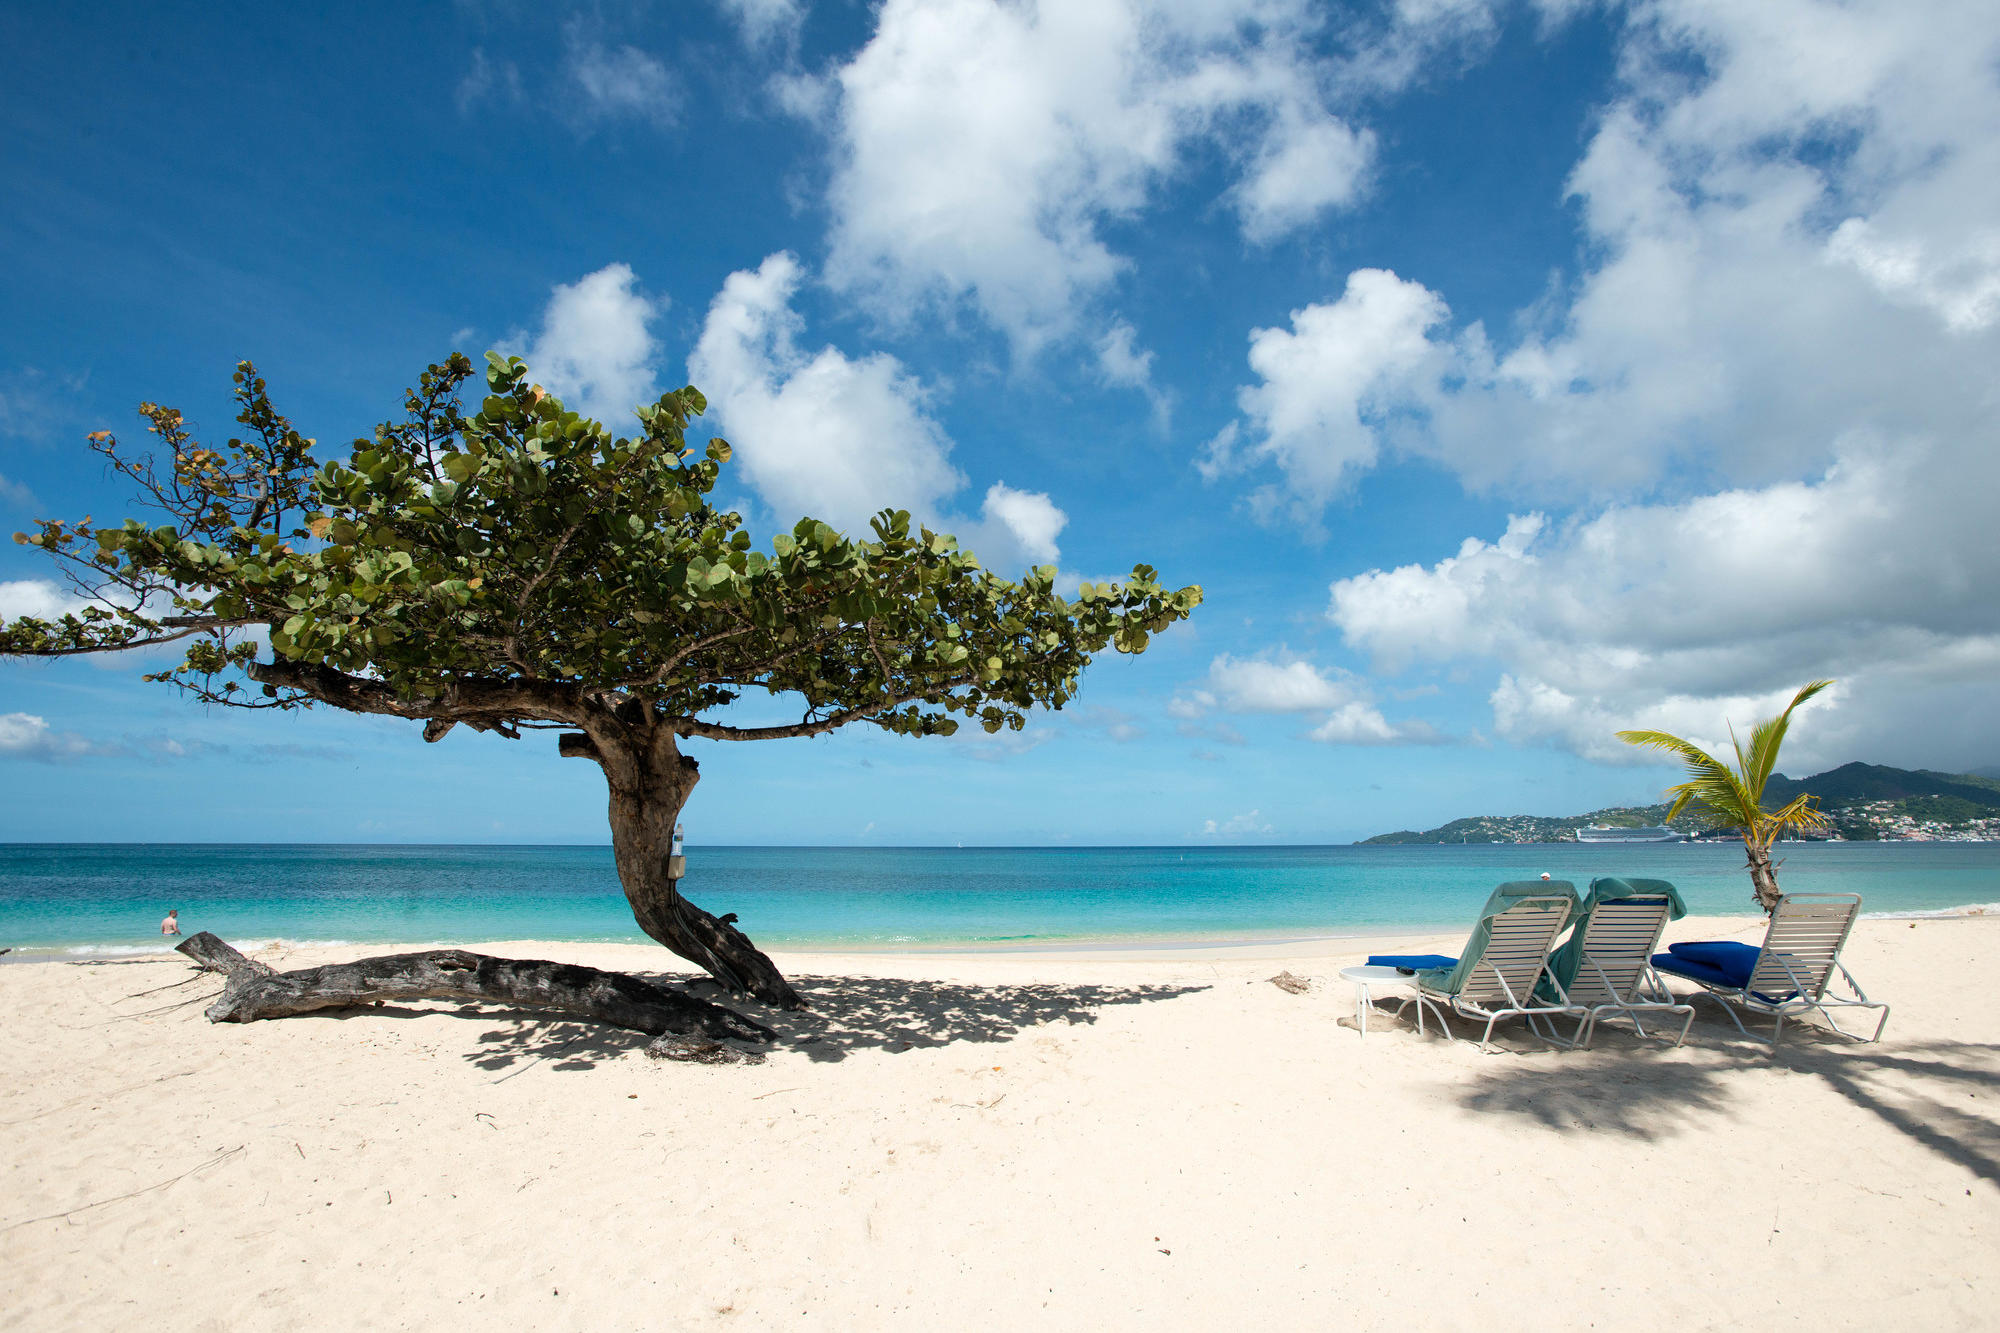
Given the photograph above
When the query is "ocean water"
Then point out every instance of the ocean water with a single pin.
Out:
(72, 900)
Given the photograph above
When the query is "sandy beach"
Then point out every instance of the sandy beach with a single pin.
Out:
(1157, 1139)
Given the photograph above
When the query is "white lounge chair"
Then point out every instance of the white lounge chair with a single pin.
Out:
(1503, 964)
(1605, 967)
(1789, 975)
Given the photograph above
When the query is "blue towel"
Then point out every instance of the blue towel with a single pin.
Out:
(1416, 962)
(1733, 959)
(1680, 965)
(1722, 963)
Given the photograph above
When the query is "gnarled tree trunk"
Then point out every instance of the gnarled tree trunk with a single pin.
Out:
(1763, 877)
(684, 1028)
(649, 780)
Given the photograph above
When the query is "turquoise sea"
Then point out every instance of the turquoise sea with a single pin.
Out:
(71, 900)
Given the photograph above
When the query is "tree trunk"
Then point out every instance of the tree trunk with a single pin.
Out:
(1763, 877)
(648, 787)
(686, 1028)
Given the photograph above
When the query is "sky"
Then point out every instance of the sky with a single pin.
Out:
(1507, 374)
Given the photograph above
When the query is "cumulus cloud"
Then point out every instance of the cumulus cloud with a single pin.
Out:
(42, 599)
(26, 736)
(1327, 386)
(1029, 520)
(1794, 243)
(596, 350)
(1249, 824)
(816, 432)
(1789, 287)
(1720, 605)
(979, 146)
(840, 438)
(1292, 685)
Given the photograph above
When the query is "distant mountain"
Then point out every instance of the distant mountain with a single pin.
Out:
(1866, 801)
(1851, 784)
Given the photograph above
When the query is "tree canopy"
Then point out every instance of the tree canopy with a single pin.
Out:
(508, 567)
(524, 567)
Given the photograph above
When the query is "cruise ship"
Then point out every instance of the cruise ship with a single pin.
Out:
(1607, 833)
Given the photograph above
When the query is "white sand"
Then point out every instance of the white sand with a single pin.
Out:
(1157, 1140)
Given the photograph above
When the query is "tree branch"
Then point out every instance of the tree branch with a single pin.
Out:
(476, 703)
(714, 731)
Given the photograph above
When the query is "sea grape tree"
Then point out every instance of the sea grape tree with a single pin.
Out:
(522, 567)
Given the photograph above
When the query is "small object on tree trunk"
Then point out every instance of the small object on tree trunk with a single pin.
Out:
(1290, 984)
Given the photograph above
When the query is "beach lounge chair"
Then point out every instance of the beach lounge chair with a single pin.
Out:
(1605, 967)
(1503, 965)
(1789, 975)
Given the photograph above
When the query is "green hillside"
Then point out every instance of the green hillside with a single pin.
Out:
(1865, 801)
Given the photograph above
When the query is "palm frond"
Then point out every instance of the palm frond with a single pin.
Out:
(1716, 798)
(1766, 739)
(1711, 786)
(1802, 813)
(1686, 751)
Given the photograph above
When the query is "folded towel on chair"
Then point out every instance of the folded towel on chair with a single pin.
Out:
(1716, 963)
(1416, 962)
(1730, 957)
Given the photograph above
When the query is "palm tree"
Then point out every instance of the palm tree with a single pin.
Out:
(1726, 797)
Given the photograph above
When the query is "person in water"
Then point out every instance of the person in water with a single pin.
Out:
(172, 924)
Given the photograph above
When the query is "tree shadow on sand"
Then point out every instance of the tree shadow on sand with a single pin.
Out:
(1943, 1095)
(847, 1014)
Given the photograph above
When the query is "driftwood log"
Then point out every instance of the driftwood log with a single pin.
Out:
(683, 1027)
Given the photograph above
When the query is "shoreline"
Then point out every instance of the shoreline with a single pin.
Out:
(1276, 945)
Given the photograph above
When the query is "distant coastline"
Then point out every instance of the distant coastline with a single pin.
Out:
(1867, 802)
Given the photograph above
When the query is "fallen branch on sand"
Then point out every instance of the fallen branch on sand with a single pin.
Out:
(683, 1027)
(222, 1156)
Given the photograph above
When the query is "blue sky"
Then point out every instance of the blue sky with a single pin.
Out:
(1507, 374)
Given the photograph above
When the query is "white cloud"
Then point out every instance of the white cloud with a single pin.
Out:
(1794, 244)
(595, 350)
(1119, 359)
(616, 82)
(25, 736)
(1328, 383)
(1258, 685)
(1356, 724)
(1962, 289)
(1789, 287)
(816, 432)
(980, 146)
(37, 405)
(767, 23)
(488, 80)
(1121, 364)
(1266, 685)
(43, 599)
(1720, 605)
(1310, 164)
(841, 438)
(1029, 519)
(1249, 824)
